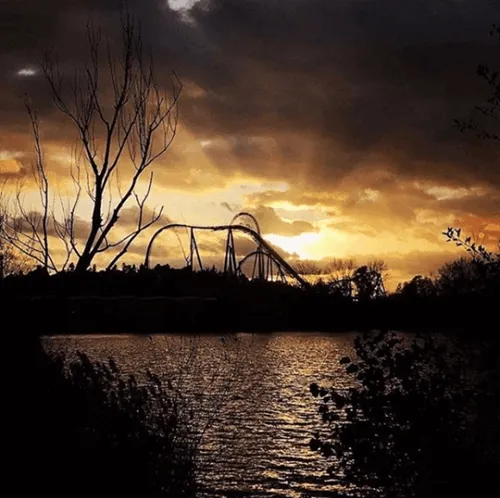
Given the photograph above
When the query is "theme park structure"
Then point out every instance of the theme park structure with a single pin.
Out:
(265, 262)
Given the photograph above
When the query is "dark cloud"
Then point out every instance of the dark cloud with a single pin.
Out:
(486, 206)
(356, 77)
(270, 222)
(24, 224)
(308, 90)
(333, 97)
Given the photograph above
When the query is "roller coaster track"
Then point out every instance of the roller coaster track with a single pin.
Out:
(262, 244)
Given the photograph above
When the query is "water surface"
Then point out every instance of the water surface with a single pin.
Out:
(248, 393)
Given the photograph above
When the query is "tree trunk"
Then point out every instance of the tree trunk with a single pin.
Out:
(88, 253)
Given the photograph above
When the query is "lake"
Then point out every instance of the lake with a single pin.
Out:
(248, 393)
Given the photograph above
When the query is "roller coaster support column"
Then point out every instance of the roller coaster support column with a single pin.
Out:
(260, 256)
(193, 250)
(230, 266)
(269, 269)
(258, 271)
(281, 275)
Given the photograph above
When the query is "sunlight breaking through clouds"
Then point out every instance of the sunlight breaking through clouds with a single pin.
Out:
(27, 71)
(305, 245)
(181, 4)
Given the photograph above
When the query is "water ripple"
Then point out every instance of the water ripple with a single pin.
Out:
(258, 446)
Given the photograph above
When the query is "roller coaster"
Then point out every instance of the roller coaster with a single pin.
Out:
(268, 264)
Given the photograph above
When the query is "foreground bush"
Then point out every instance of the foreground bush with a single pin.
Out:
(86, 430)
(422, 419)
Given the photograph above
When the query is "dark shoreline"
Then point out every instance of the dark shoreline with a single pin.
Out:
(137, 315)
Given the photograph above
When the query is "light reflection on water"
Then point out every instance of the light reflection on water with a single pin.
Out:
(258, 388)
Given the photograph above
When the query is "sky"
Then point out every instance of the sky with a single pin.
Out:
(332, 121)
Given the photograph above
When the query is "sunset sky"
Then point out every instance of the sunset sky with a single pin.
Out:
(332, 121)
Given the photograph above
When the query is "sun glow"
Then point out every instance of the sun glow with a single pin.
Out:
(305, 245)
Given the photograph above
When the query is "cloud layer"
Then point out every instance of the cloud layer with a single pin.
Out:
(350, 104)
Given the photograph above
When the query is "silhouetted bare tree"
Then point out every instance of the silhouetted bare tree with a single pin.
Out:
(11, 261)
(379, 266)
(340, 273)
(308, 267)
(124, 120)
(340, 268)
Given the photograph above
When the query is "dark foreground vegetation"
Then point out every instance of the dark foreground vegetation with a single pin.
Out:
(423, 417)
(423, 421)
(85, 429)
